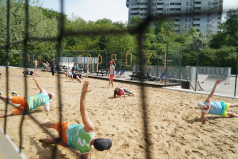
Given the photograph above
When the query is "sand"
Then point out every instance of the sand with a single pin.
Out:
(175, 130)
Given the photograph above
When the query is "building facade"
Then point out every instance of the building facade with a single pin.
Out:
(203, 15)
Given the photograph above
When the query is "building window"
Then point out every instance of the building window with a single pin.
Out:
(208, 14)
(187, 9)
(209, 8)
(190, 9)
(207, 25)
(208, 20)
(167, 4)
(209, 3)
(197, 30)
(189, 26)
(190, 15)
(167, 9)
(164, 9)
(189, 20)
(186, 20)
(186, 14)
(186, 3)
(191, 4)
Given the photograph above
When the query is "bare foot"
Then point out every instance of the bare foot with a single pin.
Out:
(46, 121)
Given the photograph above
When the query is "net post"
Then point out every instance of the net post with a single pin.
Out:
(7, 51)
(197, 69)
(236, 71)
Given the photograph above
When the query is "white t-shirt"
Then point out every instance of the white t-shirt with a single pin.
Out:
(112, 67)
(47, 105)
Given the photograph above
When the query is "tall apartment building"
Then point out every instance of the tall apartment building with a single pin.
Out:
(201, 14)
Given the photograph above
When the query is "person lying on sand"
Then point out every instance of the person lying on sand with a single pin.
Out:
(78, 76)
(29, 103)
(78, 137)
(29, 72)
(120, 91)
(217, 108)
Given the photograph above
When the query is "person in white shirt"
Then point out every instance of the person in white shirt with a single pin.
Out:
(111, 73)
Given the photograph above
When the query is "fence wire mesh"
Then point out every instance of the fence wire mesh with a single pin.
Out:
(170, 63)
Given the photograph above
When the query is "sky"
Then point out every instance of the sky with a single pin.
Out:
(115, 10)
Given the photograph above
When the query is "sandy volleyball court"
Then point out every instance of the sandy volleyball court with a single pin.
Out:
(175, 130)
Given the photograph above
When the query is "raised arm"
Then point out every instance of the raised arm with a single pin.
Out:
(88, 124)
(202, 117)
(37, 84)
(208, 100)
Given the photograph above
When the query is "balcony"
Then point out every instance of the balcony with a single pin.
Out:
(159, 11)
(197, 10)
(197, 22)
(174, 11)
(134, 11)
(214, 1)
(198, 5)
(160, 6)
(143, 11)
(196, 26)
(142, 1)
(143, 6)
(214, 5)
(175, 6)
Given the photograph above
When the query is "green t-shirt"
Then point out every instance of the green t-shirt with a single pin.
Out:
(38, 100)
(78, 139)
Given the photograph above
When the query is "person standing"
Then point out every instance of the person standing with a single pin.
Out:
(111, 73)
(53, 67)
(7, 66)
(36, 63)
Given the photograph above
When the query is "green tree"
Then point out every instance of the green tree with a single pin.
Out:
(230, 27)
(191, 31)
(199, 41)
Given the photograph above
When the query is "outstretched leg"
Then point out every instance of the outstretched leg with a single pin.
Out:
(78, 79)
(233, 105)
(48, 123)
(11, 112)
(232, 114)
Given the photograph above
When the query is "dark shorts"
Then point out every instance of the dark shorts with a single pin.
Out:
(74, 75)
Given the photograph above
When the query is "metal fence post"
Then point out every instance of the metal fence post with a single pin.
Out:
(120, 59)
(197, 70)
(166, 63)
(157, 62)
(236, 72)
(106, 59)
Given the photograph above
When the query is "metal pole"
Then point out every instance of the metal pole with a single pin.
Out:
(157, 61)
(94, 62)
(136, 60)
(197, 70)
(106, 59)
(120, 59)
(236, 72)
(166, 63)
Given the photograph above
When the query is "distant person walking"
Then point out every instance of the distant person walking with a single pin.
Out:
(7, 66)
(111, 73)
(53, 67)
(36, 63)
